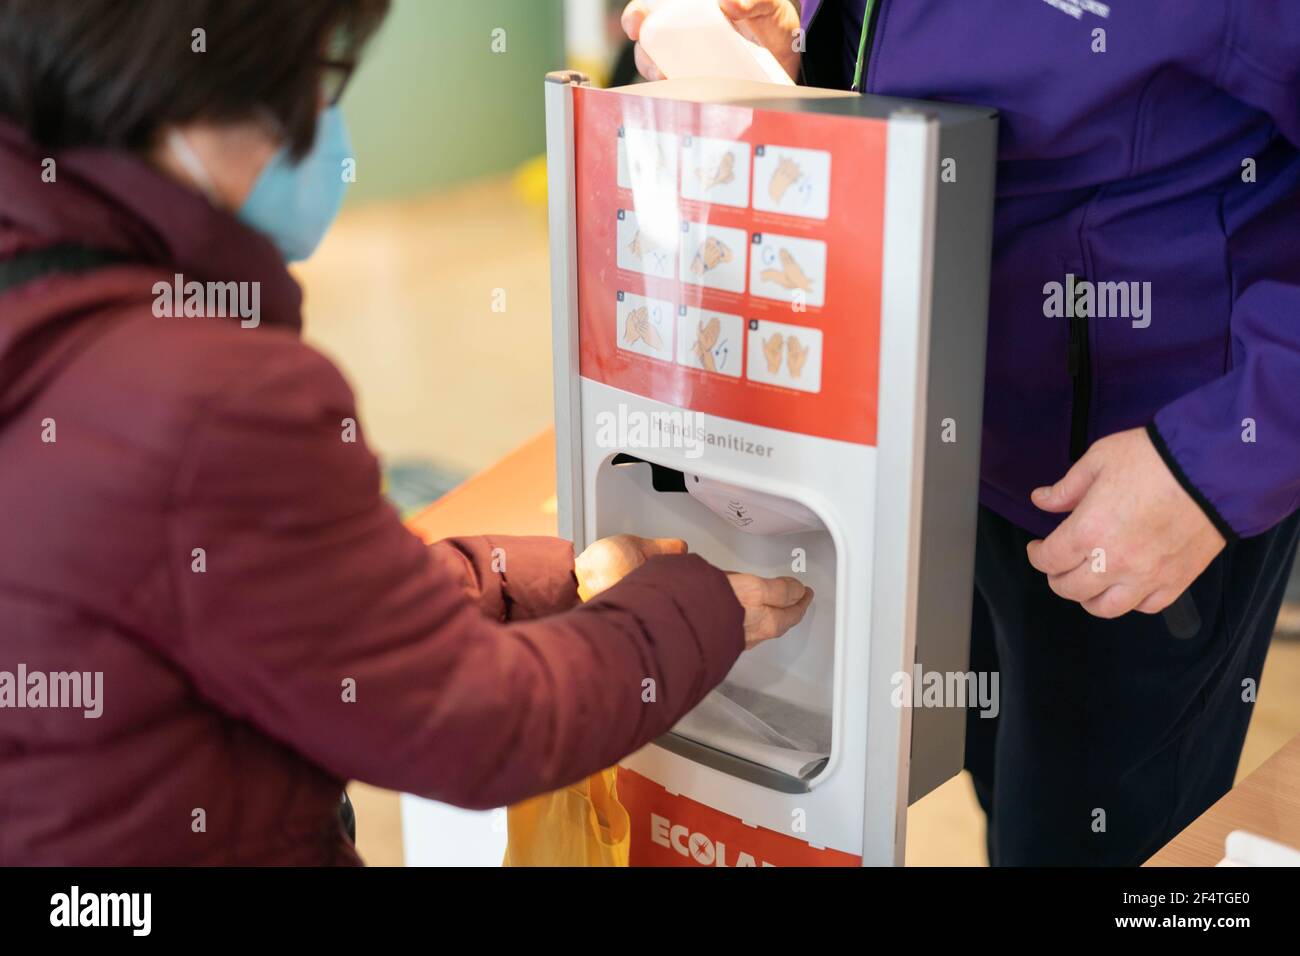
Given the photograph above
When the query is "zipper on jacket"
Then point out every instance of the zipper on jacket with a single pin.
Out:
(865, 40)
(1080, 366)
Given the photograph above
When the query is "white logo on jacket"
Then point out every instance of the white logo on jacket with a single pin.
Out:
(1077, 8)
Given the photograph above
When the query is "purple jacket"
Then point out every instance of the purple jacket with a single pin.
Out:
(1170, 159)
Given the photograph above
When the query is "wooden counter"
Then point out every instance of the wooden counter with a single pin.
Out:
(1266, 803)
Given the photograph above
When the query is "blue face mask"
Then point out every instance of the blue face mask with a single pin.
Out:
(294, 204)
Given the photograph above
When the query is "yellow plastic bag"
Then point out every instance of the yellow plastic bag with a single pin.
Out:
(581, 825)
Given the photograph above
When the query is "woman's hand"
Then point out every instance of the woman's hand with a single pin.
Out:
(769, 23)
(609, 560)
(772, 605)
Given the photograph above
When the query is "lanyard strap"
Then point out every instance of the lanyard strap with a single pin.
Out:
(862, 45)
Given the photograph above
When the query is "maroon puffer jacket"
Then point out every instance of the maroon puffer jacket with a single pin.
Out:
(227, 690)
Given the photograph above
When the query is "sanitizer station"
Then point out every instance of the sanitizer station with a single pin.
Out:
(769, 314)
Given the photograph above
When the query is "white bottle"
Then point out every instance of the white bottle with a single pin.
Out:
(687, 38)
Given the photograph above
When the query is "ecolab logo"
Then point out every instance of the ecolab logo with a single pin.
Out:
(698, 846)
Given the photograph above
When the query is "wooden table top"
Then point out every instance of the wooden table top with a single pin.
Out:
(514, 496)
(1266, 803)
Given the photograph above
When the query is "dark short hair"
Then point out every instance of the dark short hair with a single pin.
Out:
(113, 73)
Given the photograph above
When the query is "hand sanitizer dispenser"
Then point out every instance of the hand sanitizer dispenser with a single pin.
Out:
(769, 309)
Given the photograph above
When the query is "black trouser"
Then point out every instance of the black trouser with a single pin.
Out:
(1112, 735)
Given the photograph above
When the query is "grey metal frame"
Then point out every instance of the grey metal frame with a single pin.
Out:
(963, 241)
(562, 214)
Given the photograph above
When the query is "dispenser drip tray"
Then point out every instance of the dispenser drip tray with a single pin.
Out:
(763, 729)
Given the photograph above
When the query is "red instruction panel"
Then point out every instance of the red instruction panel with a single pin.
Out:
(672, 830)
(729, 259)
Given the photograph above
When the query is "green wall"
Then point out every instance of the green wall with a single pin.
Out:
(433, 105)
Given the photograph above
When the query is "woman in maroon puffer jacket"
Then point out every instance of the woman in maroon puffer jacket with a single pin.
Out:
(182, 514)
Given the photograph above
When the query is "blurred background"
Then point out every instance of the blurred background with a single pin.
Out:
(447, 219)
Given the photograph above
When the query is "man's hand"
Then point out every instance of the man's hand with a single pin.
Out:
(769, 23)
(609, 560)
(1134, 540)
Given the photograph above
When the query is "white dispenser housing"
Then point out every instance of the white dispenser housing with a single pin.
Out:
(769, 309)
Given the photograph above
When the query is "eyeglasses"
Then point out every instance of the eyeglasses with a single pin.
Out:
(335, 75)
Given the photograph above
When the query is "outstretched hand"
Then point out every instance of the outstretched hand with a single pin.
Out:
(772, 605)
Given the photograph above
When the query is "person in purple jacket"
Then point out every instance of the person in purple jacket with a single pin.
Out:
(1141, 444)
